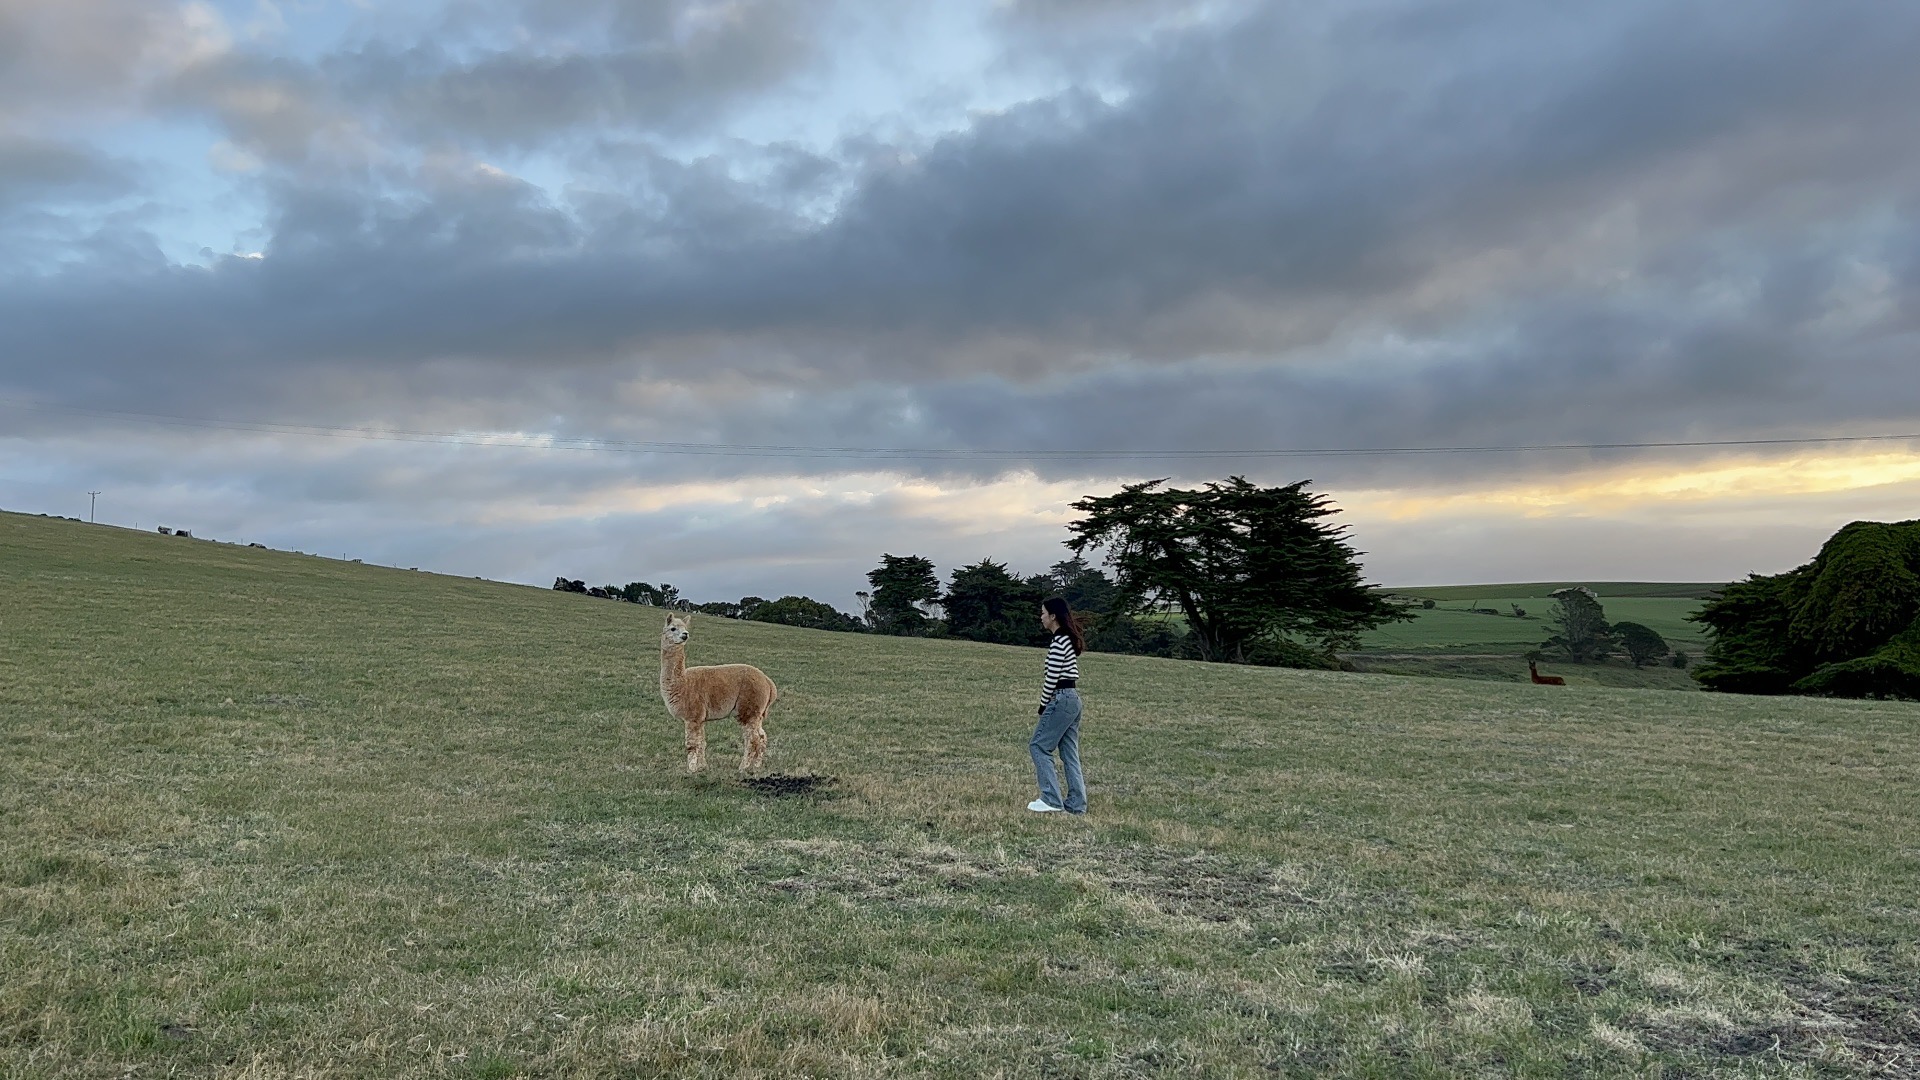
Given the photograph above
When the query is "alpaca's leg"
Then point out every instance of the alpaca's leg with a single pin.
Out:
(753, 737)
(696, 745)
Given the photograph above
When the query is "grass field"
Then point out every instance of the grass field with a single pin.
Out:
(268, 815)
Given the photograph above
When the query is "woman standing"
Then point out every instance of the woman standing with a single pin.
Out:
(1059, 726)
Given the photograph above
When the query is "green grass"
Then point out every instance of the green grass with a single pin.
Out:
(271, 815)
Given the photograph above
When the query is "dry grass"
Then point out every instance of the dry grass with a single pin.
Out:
(269, 815)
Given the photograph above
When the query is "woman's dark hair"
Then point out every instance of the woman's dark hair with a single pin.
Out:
(1066, 620)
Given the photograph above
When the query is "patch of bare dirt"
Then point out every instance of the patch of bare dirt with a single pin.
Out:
(780, 785)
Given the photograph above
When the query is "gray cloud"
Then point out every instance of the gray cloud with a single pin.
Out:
(1214, 210)
(579, 71)
(1263, 225)
(82, 53)
(35, 169)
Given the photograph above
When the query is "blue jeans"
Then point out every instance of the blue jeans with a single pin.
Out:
(1059, 728)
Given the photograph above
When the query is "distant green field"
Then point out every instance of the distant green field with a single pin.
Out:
(269, 815)
(1451, 640)
(1451, 625)
(1672, 590)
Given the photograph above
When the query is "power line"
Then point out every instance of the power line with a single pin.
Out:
(518, 441)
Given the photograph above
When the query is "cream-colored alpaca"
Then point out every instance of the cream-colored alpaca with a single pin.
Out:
(699, 694)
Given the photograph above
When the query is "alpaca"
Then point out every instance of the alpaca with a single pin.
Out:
(1544, 680)
(699, 694)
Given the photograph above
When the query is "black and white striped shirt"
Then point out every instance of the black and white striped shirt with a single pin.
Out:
(1062, 663)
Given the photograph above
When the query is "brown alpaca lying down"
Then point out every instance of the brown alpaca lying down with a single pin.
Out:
(699, 694)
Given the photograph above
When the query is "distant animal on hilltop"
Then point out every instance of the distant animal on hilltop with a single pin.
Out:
(1544, 680)
(698, 694)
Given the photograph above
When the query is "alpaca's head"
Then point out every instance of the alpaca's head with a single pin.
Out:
(677, 631)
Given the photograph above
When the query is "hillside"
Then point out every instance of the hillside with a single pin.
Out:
(267, 814)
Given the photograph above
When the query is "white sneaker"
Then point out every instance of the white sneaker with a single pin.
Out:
(1039, 807)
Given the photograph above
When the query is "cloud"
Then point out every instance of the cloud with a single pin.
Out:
(1225, 226)
(566, 73)
(34, 170)
(59, 58)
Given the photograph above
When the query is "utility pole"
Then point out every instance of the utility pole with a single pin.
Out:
(91, 495)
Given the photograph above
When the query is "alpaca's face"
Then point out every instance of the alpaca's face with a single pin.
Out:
(677, 631)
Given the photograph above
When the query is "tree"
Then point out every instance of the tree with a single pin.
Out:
(902, 585)
(1081, 585)
(1846, 624)
(1643, 644)
(639, 592)
(804, 611)
(1751, 651)
(986, 602)
(1139, 636)
(1579, 624)
(1244, 564)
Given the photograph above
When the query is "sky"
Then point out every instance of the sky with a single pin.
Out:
(742, 294)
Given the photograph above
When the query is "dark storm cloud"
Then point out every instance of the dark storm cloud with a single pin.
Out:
(1638, 221)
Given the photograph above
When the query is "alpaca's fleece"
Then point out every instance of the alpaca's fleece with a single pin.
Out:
(697, 695)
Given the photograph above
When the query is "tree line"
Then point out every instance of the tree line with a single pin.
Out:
(1229, 572)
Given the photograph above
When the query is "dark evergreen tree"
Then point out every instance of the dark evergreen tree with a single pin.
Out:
(903, 585)
(1082, 585)
(1243, 564)
(1846, 624)
(1751, 651)
(986, 602)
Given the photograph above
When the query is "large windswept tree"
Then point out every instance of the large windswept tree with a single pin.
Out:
(1255, 570)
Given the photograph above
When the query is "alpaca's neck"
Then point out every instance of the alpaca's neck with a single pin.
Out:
(673, 666)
